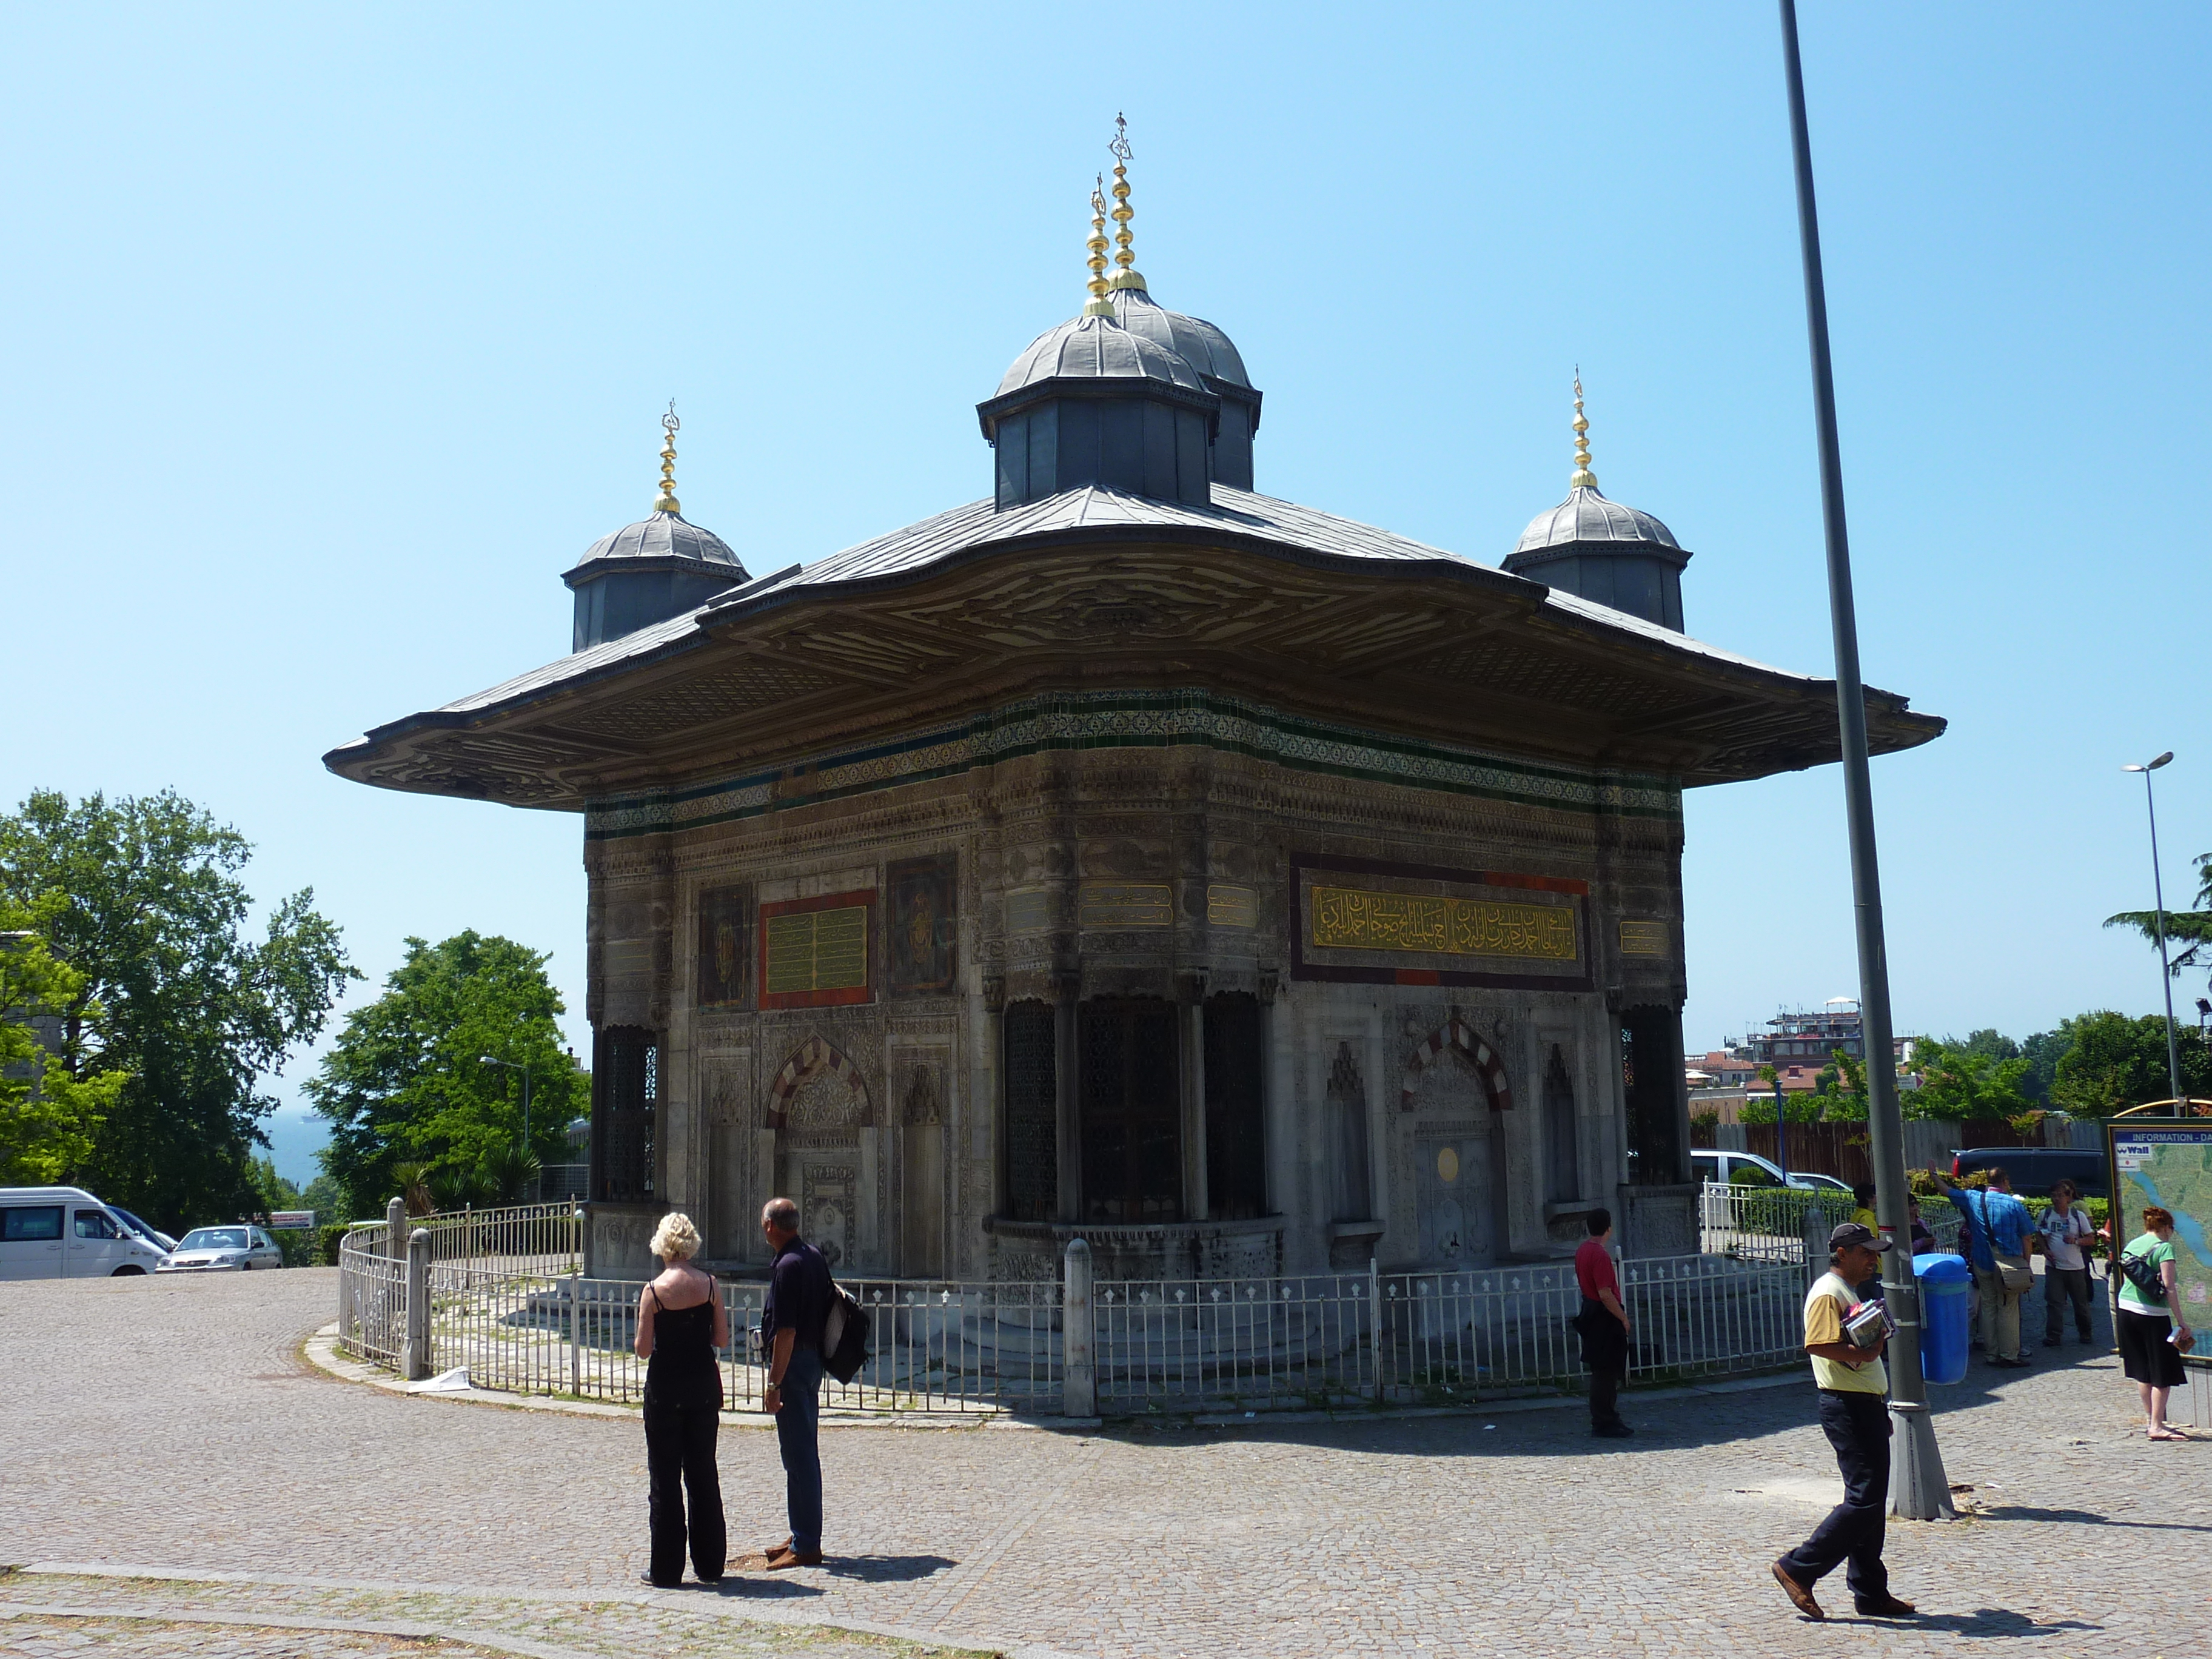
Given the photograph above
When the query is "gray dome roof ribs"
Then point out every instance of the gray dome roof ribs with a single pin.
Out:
(1092, 349)
(1199, 343)
(1588, 516)
(665, 536)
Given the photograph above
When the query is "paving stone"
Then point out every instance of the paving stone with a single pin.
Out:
(172, 1426)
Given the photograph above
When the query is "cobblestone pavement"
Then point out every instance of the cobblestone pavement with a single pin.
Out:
(171, 1427)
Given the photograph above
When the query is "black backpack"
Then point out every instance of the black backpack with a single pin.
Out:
(844, 1335)
(2143, 1273)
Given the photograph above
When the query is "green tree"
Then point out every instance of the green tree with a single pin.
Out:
(2188, 932)
(1975, 1079)
(175, 991)
(48, 1117)
(1760, 1107)
(405, 1085)
(2042, 1052)
(2113, 1062)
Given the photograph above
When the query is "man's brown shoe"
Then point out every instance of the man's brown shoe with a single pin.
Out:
(792, 1558)
(1797, 1593)
(1887, 1606)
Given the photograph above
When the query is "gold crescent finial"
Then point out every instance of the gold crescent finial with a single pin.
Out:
(1584, 478)
(1127, 275)
(1098, 304)
(669, 425)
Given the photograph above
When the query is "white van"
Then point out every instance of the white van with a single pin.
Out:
(64, 1232)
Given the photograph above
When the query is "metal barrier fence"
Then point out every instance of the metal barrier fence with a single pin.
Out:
(1776, 1224)
(519, 1315)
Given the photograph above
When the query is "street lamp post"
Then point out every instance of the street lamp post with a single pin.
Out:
(509, 1064)
(1919, 1491)
(2158, 922)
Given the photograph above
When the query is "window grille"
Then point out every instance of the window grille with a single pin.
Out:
(1236, 1132)
(1131, 1102)
(627, 1082)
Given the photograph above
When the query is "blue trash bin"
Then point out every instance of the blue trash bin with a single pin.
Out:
(1944, 1281)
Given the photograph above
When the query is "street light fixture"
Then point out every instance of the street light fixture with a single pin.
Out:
(488, 1059)
(2158, 922)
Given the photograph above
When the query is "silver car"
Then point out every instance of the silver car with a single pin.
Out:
(222, 1249)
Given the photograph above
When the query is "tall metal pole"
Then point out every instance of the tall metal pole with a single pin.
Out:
(2165, 972)
(1918, 1490)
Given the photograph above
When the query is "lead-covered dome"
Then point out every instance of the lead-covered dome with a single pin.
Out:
(1095, 348)
(1199, 342)
(665, 536)
(1588, 516)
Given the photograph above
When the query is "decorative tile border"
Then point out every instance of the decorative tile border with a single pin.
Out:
(1125, 720)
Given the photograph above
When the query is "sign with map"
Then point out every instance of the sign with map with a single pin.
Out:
(2168, 1163)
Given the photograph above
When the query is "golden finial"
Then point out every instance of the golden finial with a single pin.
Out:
(1584, 478)
(1099, 306)
(1127, 277)
(669, 425)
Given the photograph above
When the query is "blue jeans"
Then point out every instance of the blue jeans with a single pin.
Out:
(795, 1424)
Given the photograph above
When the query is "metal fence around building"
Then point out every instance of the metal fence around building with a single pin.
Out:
(502, 1294)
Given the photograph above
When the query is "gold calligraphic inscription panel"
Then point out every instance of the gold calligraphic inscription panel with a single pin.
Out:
(817, 951)
(1438, 925)
(1231, 907)
(1125, 904)
(1029, 910)
(1644, 939)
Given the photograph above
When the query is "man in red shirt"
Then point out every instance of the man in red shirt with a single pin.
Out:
(1603, 1326)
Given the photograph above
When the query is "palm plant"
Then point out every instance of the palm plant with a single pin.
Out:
(413, 1179)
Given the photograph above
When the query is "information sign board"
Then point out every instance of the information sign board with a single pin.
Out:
(2168, 1163)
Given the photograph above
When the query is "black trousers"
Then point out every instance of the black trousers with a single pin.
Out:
(1857, 1426)
(679, 1454)
(1605, 1351)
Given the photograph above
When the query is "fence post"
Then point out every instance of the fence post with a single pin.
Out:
(415, 1355)
(1374, 1324)
(576, 1334)
(1815, 1228)
(1078, 1370)
(395, 1228)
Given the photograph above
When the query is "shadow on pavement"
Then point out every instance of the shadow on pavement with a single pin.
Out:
(2083, 1517)
(887, 1569)
(760, 1587)
(1983, 1622)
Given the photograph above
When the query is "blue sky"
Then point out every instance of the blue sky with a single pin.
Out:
(336, 333)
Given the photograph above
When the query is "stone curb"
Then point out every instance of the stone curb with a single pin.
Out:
(690, 1600)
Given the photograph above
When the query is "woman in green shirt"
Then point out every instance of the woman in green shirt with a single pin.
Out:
(2150, 1320)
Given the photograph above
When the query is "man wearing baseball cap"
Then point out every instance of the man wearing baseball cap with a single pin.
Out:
(1855, 1415)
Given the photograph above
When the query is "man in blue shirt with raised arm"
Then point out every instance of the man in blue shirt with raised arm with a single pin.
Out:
(1997, 1226)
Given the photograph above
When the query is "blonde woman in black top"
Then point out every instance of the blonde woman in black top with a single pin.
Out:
(681, 1322)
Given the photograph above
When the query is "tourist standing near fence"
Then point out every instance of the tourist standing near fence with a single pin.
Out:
(681, 1322)
(1853, 1383)
(1603, 1325)
(798, 1304)
(2066, 1230)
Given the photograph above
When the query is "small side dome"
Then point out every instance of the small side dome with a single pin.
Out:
(1588, 516)
(646, 571)
(1601, 550)
(665, 536)
(1093, 348)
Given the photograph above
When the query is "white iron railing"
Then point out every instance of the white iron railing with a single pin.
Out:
(502, 1293)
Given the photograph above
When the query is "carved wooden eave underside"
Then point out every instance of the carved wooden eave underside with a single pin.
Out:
(1409, 641)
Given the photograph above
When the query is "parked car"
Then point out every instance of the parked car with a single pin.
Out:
(223, 1250)
(64, 1232)
(2036, 1169)
(151, 1234)
(1750, 1169)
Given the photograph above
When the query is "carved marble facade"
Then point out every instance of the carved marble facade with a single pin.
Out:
(1421, 990)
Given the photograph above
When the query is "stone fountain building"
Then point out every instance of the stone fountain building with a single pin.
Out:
(1131, 854)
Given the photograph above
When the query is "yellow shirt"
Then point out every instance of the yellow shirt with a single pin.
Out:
(1865, 1218)
(1826, 1304)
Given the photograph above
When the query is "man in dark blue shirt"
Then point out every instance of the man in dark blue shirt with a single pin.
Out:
(792, 1317)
